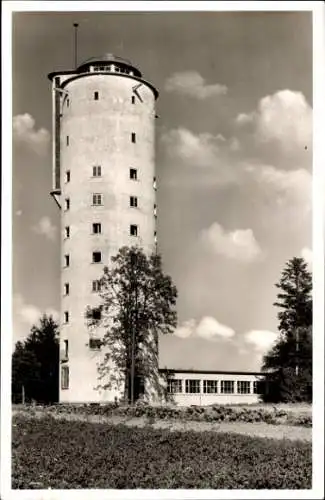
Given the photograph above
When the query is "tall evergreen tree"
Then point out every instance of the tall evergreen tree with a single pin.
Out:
(35, 363)
(288, 365)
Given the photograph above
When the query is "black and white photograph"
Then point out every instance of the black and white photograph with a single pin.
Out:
(162, 250)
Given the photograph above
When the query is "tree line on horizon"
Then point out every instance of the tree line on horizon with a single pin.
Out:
(138, 301)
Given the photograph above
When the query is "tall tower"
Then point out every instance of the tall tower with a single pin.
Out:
(104, 183)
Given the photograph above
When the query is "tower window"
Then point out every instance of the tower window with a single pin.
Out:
(133, 201)
(154, 183)
(97, 228)
(97, 199)
(67, 176)
(155, 210)
(133, 137)
(64, 377)
(96, 96)
(97, 171)
(67, 203)
(134, 230)
(68, 140)
(97, 257)
(67, 231)
(66, 317)
(67, 260)
(96, 313)
(66, 288)
(94, 343)
(155, 236)
(133, 174)
(133, 99)
(66, 349)
(96, 286)
(68, 102)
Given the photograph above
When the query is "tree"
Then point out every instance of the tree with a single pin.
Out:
(35, 363)
(137, 303)
(288, 365)
(295, 296)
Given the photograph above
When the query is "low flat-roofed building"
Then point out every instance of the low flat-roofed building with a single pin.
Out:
(203, 387)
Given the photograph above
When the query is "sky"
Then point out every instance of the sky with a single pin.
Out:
(233, 163)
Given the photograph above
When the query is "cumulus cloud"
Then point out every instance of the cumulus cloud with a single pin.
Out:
(284, 117)
(191, 149)
(239, 244)
(287, 187)
(191, 83)
(262, 340)
(243, 118)
(307, 254)
(27, 313)
(24, 132)
(46, 228)
(207, 328)
(30, 314)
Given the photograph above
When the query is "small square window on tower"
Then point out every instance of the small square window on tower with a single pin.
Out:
(97, 171)
(68, 102)
(97, 199)
(67, 204)
(66, 317)
(133, 174)
(66, 288)
(96, 96)
(67, 176)
(67, 260)
(133, 137)
(97, 257)
(133, 99)
(97, 228)
(133, 201)
(95, 343)
(96, 313)
(67, 232)
(134, 230)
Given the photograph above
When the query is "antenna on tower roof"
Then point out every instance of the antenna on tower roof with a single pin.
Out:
(75, 44)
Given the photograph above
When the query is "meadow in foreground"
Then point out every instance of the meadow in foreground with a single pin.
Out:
(62, 454)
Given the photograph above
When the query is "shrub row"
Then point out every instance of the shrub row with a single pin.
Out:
(214, 413)
(51, 453)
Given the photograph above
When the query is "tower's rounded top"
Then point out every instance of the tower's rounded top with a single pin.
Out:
(109, 58)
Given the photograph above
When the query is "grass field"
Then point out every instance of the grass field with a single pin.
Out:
(73, 454)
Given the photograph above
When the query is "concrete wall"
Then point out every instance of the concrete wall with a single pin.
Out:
(202, 399)
(99, 133)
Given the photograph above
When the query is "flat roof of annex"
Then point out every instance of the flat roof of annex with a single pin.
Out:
(104, 64)
(208, 372)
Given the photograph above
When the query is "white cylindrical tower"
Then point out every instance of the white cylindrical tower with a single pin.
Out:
(104, 182)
